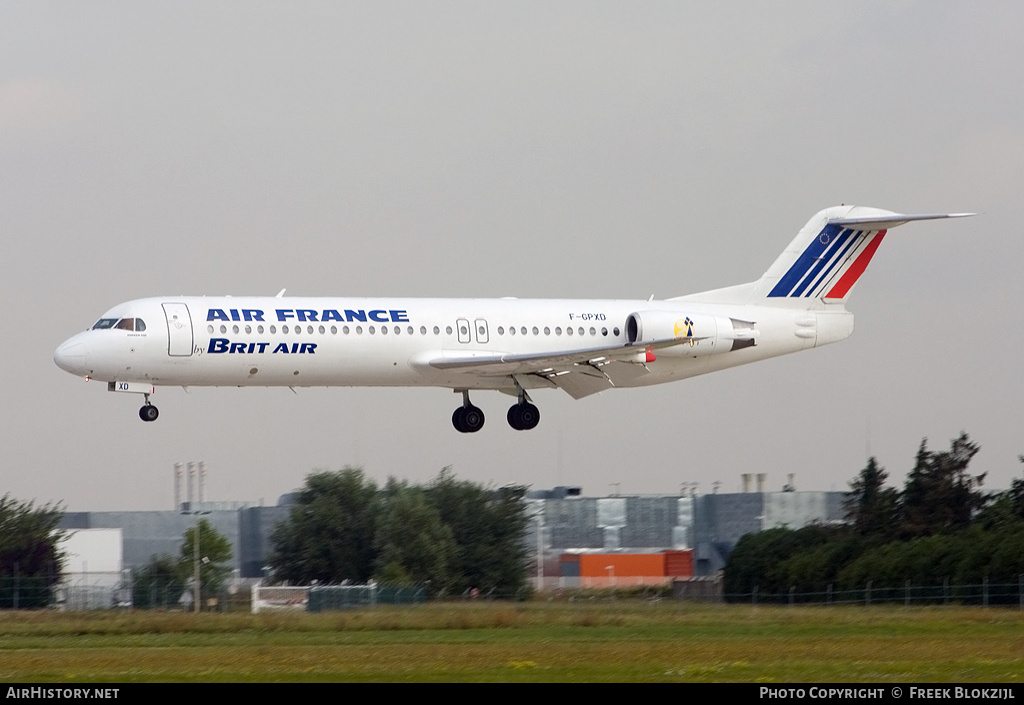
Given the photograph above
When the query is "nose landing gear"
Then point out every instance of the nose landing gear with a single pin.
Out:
(148, 412)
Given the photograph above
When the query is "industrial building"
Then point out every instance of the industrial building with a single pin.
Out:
(707, 526)
(564, 526)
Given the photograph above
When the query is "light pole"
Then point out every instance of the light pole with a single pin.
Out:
(540, 549)
(195, 565)
(195, 556)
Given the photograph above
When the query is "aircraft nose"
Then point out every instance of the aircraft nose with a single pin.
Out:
(70, 357)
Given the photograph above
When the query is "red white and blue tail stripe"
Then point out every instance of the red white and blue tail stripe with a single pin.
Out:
(831, 264)
(831, 253)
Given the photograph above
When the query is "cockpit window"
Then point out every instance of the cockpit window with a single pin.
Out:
(135, 324)
(132, 324)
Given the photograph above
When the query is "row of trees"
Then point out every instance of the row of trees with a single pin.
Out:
(30, 560)
(939, 495)
(450, 534)
(939, 527)
(455, 535)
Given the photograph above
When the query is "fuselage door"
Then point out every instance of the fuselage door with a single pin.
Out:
(481, 330)
(462, 326)
(179, 330)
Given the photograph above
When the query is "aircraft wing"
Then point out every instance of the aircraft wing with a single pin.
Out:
(580, 372)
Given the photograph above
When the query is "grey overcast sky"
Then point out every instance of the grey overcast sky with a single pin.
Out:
(548, 149)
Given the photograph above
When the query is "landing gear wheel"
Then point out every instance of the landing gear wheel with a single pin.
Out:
(468, 419)
(457, 421)
(524, 416)
(529, 416)
(148, 413)
(513, 417)
(472, 418)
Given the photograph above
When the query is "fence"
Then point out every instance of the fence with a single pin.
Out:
(85, 594)
(37, 593)
(26, 593)
(78, 592)
(155, 595)
(984, 594)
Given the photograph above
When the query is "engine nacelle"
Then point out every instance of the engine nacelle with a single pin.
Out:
(707, 335)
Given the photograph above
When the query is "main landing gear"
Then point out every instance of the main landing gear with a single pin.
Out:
(468, 418)
(523, 416)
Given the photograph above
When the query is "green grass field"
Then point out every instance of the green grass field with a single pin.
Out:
(592, 642)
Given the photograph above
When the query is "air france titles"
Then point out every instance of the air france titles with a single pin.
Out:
(308, 314)
(296, 315)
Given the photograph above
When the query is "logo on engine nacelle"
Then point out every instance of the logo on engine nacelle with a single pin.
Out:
(687, 324)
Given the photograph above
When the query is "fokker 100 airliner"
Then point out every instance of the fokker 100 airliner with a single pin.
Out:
(516, 346)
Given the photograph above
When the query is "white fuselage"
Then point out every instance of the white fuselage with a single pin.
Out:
(301, 342)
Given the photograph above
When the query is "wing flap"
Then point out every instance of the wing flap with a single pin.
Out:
(579, 372)
(623, 372)
(526, 363)
(579, 385)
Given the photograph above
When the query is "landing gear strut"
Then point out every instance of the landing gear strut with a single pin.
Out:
(148, 412)
(523, 415)
(467, 418)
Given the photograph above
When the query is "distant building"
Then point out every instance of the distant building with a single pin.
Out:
(93, 569)
(709, 525)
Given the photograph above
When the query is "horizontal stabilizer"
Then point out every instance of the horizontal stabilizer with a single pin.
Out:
(884, 222)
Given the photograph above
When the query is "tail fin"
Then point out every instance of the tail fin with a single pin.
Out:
(829, 254)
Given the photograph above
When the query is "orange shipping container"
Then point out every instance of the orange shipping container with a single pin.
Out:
(622, 565)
